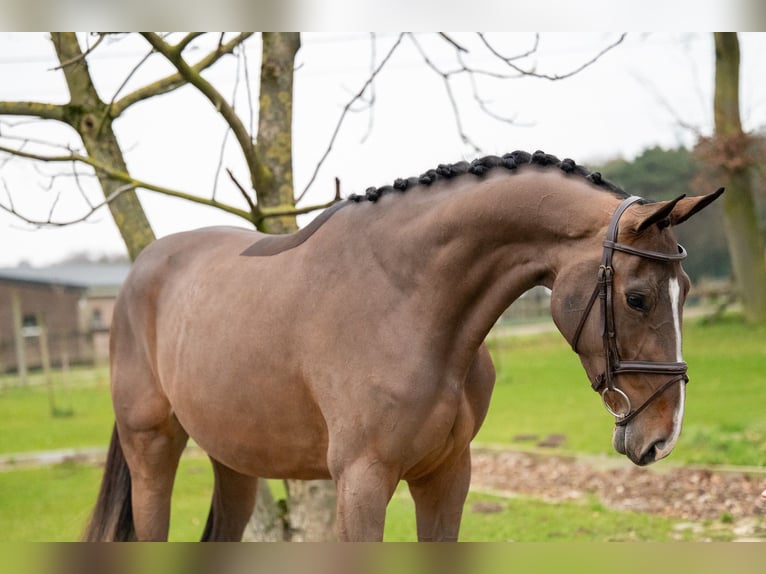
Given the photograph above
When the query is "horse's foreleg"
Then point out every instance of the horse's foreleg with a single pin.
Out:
(152, 456)
(364, 489)
(233, 503)
(439, 500)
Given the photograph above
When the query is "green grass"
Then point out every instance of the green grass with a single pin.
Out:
(542, 389)
(53, 504)
(529, 520)
(27, 422)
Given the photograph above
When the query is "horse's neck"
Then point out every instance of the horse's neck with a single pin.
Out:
(474, 249)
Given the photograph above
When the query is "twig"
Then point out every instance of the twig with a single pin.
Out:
(80, 57)
(445, 76)
(219, 166)
(174, 81)
(49, 222)
(371, 103)
(243, 191)
(345, 111)
(554, 77)
(265, 213)
(251, 108)
(192, 76)
(128, 179)
(457, 46)
(186, 40)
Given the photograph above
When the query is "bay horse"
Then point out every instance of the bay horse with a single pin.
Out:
(354, 348)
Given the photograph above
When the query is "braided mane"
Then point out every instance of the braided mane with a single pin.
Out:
(273, 244)
(479, 167)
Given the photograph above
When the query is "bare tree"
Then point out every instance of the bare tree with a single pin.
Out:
(735, 156)
(268, 198)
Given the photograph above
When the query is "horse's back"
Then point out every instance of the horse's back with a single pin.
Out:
(181, 252)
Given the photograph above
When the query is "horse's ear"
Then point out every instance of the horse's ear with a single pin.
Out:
(688, 207)
(661, 212)
(678, 210)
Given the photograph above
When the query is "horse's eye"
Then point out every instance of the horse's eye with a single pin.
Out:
(636, 301)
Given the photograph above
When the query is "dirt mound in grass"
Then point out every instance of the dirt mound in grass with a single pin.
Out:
(694, 494)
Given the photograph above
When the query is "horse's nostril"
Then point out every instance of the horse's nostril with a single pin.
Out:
(650, 455)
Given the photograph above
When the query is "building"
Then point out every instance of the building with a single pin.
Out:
(64, 311)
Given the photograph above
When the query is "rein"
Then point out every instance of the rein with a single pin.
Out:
(605, 383)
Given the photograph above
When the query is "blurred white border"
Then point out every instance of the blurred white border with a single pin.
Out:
(380, 15)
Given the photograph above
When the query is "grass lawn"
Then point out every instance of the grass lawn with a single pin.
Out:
(53, 504)
(493, 519)
(27, 422)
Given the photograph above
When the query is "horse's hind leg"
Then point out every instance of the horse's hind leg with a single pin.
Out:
(232, 505)
(439, 500)
(152, 455)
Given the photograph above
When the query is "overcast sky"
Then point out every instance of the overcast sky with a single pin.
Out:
(631, 99)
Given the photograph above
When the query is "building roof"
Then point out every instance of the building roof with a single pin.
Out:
(95, 277)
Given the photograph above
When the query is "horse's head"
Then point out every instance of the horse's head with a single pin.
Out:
(619, 305)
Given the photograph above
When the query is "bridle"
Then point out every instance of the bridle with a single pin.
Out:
(605, 382)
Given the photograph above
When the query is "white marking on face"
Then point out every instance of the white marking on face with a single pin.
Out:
(674, 290)
(678, 417)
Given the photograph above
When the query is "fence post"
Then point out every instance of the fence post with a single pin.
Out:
(45, 358)
(18, 335)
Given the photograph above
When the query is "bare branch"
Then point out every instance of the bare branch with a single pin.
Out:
(174, 81)
(445, 76)
(80, 57)
(345, 111)
(483, 103)
(188, 39)
(219, 166)
(243, 191)
(649, 85)
(192, 76)
(116, 109)
(248, 86)
(457, 46)
(37, 109)
(371, 102)
(128, 179)
(10, 208)
(266, 212)
(552, 77)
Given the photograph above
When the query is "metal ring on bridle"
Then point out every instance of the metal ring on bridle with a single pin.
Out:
(609, 409)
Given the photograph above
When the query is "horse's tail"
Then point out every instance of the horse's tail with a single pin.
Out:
(112, 518)
(207, 534)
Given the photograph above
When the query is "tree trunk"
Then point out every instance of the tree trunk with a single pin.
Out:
(310, 504)
(88, 115)
(273, 180)
(268, 521)
(746, 246)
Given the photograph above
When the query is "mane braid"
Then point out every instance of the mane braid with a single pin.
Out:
(481, 166)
